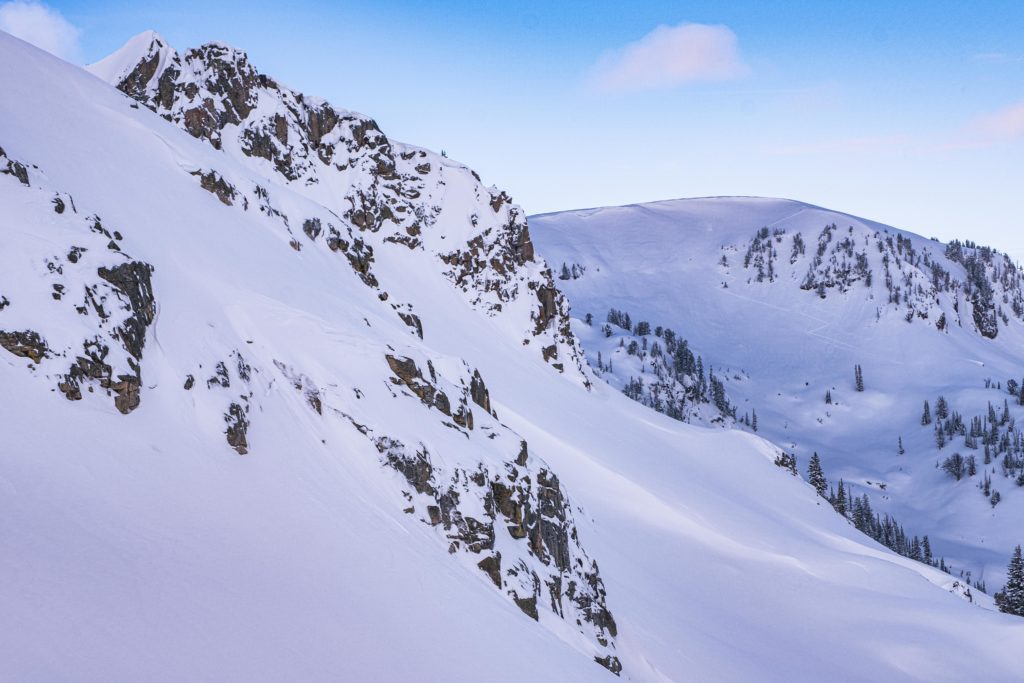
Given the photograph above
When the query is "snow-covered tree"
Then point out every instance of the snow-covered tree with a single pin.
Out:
(816, 475)
(1011, 598)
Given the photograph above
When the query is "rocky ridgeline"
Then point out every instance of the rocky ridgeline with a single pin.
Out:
(81, 271)
(395, 193)
(947, 285)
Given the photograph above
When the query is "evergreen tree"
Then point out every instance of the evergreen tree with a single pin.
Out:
(926, 416)
(753, 420)
(954, 465)
(1011, 598)
(828, 397)
(589, 319)
(900, 446)
(840, 502)
(858, 378)
(816, 475)
(926, 548)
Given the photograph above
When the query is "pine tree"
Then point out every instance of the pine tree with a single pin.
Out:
(900, 449)
(1011, 598)
(753, 420)
(926, 416)
(816, 476)
(926, 548)
(828, 397)
(840, 503)
(858, 378)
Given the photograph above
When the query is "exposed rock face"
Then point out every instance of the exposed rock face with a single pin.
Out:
(478, 392)
(14, 168)
(132, 283)
(237, 428)
(212, 182)
(26, 344)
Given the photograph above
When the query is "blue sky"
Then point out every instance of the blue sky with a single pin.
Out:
(910, 113)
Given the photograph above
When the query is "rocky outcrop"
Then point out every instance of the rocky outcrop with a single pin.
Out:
(208, 88)
(478, 392)
(212, 182)
(132, 283)
(237, 426)
(17, 169)
(526, 503)
(25, 344)
(517, 503)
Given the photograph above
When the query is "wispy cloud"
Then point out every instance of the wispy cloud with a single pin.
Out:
(42, 26)
(671, 56)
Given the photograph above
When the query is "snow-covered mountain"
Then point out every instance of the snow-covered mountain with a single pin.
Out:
(285, 398)
(786, 300)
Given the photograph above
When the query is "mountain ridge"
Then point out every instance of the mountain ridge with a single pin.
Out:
(384, 466)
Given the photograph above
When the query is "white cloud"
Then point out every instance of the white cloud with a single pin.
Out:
(42, 26)
(670, 56)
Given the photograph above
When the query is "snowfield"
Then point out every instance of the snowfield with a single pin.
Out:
(265, 471)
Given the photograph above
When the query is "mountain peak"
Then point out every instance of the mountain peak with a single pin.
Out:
(142, 48)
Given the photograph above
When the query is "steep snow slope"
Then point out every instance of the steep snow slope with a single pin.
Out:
(263, 430)
(786, 307)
